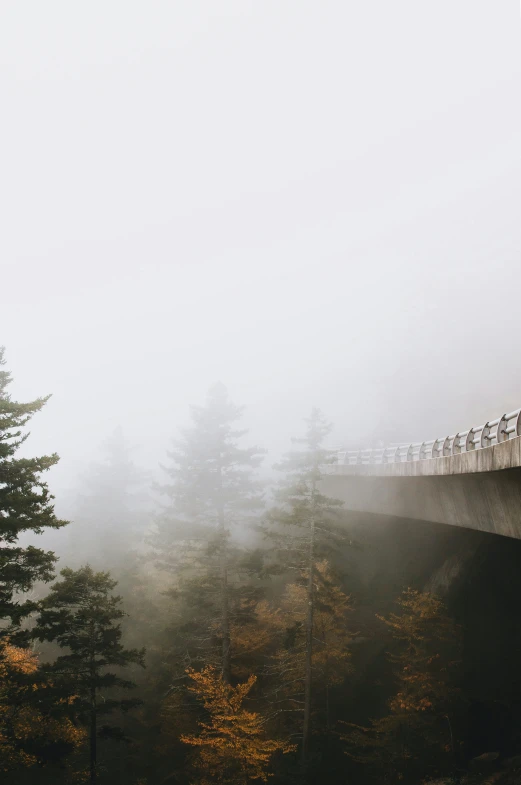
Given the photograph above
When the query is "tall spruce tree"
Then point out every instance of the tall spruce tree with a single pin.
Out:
(81, 615)
(280, 630)
(110, 509)
(212, 492)
(417, 735)
(25, 505)
(303, 524)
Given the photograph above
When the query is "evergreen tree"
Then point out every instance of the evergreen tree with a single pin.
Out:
(331, 656)
(302, 526)
(275, 640)
(25, 505)
(111, 507)
(81, 615)
(212, 495)
(232, 745)
(416, 736)
(35, 727)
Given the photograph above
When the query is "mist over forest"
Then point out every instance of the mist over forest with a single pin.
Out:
(238, 240)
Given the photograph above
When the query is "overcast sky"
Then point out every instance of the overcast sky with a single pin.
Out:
(317, 203)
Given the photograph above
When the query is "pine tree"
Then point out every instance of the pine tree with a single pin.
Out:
(81, 615)
(111, 507)
(35, 729)
(416, 736)
(212, 495)
(25, 505)
(302, 525)
(331, 660)
(275, 640)
(232, 745)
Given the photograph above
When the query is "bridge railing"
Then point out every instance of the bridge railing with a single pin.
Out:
(477, 438)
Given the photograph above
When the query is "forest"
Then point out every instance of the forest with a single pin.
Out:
(212, 627)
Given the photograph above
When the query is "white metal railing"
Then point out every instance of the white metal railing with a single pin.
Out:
(477, 438)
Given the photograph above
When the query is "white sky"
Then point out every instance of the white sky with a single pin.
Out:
(314, 202)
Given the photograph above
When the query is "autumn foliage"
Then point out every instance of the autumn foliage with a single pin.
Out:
(231, 745)
(418, 730)
(27, 733)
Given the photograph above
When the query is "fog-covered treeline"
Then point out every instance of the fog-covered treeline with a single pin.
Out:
(209, 628)
(318, 204)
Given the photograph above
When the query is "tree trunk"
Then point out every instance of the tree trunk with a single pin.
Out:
(93, 736)
(93, 717)
(225, 609)
(226, 651)
(306, 731)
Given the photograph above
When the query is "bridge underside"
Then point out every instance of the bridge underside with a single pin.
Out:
(479, 490)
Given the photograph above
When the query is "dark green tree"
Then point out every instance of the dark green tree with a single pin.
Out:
(25, 505)
(212, 494)
(302, 529)
(82, 616)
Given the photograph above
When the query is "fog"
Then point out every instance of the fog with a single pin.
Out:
(314, 203)
(296, 208)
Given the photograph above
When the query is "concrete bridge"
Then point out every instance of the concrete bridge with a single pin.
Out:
(471, 479)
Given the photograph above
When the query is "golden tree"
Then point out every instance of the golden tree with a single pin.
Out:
(416, 737)
(26, 731)
(232, 747)
(279, 634)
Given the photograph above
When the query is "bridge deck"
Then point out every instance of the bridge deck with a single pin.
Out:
(480, 489)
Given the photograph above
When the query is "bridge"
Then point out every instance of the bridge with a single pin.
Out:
(471, 479)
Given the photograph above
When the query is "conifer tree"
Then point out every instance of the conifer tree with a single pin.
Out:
(416, 736)
(81, 615)
(303, 523)
(331, 660)
(212, 494)
(25, 505)
(232, 745)
(35, 727)
(111, 507)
